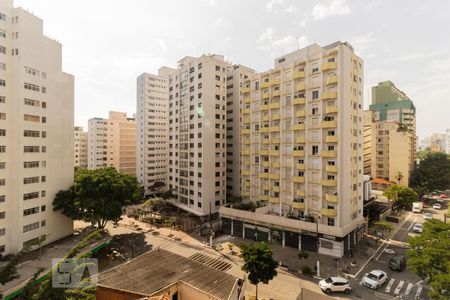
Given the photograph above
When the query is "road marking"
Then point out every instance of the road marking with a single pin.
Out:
(419, 282)
(419, 290)
(412, 224)
(389, 285)
(381, 252)
(408, 288)
(399, 287)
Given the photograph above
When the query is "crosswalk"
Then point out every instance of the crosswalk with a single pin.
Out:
(402, 289)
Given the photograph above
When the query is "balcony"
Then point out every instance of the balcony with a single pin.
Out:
(265, 187)
(298, 153)
(274, 152)
(246, 120)
(329, 153)
(265, 164)
(300, 87)
(274, 105)
(300, 140)
(329, 95)
(299, 101)
(331, 110)
(328, 182)
(246, 110)
(275, 164)
(245, 131)
(274, 175)
(300, 166)
(274, 200)
(265, 141)
(263, 175)
(264, 85)
(245, 90)
(300, 113)
(264, 197)
(246, 163)
(328, 66)
(275, 117)
(246, 99)
(331, 139)
(274, 128)
(300, 193)
(331, 198)
(298, 127)
(298, 205)
(247, 142)
(298, 179)
(265, 95)
(266, 118)
(264, 129)
(328, 212)
(276, 189)
(331, 80)
(264, 107)
(245, 194)
(299, 75)
(329, 124)
(276, 141)
(245, 151)
(263, 152)
(332, 169)
(246, 172)
(275, 82)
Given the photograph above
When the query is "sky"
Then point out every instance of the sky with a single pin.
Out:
(107, 44)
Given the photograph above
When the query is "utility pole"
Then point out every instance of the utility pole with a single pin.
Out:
(318, 245)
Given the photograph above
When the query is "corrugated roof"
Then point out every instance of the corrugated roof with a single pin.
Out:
(158, 269)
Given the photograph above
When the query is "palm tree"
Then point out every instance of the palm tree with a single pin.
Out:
(399, 177)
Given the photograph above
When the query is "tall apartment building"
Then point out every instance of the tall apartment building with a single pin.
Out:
(435, 142)
(302, 152)
(391, 152)
(392, 105)
(152, 157)
(80, 147)
(197, 127)
(368, 138)
(236, 75)
(112, 143)
(36, 131)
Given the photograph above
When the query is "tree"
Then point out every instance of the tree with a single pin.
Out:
(401, 196)
(429, 257)
(258, 263)
(98, 196)
(9, 271)
(433, 173)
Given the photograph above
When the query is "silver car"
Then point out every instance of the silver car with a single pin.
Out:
(375, 279)
(335, 284)
(417, 228)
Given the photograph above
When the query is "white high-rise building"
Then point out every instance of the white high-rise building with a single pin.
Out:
(36, 131)
(153, 131)
(97, 143)
(197, 128)
(80, 147)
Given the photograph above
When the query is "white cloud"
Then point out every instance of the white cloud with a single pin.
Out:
(414, 56)
(291, 9)
(335, 8)
(363, 42)
(285, 45)
(162, 45)
(267, 35)
(270, 5)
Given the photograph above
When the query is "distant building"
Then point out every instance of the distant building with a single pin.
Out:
(80, 147)
(437, 142)
(36, 131)
(112, 143)
(368, 136)
(161, 274)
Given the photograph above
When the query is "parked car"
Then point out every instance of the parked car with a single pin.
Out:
(375, 279)
(428, 216)
(417, 207)
(418, 228)
(437, 206)
(397, 263)
(335, 284)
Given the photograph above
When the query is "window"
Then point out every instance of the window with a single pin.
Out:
(31, 118)
(28, 180)
(2, 116)
(31, 149)
(2, 66)
(2, 231)
(330, 221)
(2, 165)
(32, 87)
(2, 181)
(32, 195)
(2, 132)
(31, 211)
(2, 149)
(2, 198)
(31, 164)
(2, 82)
(2, 215)
(31, 102)
(31, 133)
(2, 99)
(315, 94)
(30, 227)
(2, 49)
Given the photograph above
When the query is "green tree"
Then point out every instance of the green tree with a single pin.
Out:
(9, 271)
(383, 225)
(98, 196)
(401, 196)
(258, 263)
(433, 173)
(429, 257)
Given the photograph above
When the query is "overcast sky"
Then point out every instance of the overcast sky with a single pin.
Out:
(108, 43)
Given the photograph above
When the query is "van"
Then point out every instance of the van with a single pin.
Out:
(417, 207)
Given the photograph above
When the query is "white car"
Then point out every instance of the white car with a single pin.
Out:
(427, 216)
(417, 228)
(375, 279)
(335, 284)
(437, 206)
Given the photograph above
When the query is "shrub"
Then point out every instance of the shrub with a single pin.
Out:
(307, 270)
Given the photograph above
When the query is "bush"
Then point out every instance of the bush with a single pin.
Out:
(307, 271)
(248, 206)
(303, 254)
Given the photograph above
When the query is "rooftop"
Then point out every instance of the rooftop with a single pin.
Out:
(155, 270)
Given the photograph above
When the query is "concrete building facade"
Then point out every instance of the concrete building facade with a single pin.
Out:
(36, 131)
(80, 147)
(301, 152)
(112, 143)
(152, 159)
(197, 128)
(368, 138)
